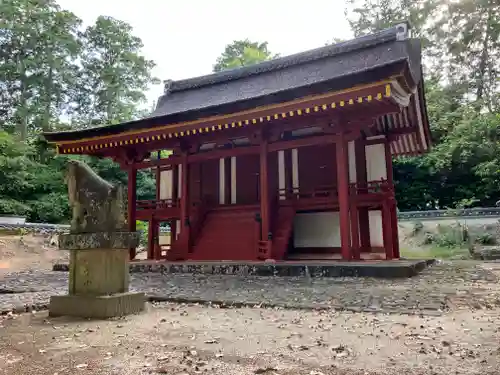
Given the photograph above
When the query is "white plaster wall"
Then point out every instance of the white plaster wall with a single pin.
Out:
(177, 229)
(376, 234)
(164, 239)
(179, 181)
(281, 171)
(317, 229)
(322, 229)
(295, 169)
(352, 161)
(166, 184)
(222, 182)
(377, 170)
(233, 180)
(375, 162)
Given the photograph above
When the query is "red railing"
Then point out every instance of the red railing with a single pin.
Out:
(372, 187)
(157, 204)
(320, 192)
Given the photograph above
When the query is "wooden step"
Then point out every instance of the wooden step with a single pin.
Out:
(227, 234)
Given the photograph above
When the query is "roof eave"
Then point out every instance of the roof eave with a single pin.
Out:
(340, 82)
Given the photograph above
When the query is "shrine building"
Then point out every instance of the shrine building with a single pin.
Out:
(287, 159)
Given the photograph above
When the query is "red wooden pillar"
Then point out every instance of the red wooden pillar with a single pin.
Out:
(395, 230)
(151, 239)
(288, 166)
(387, 230)
(343, 193)
(184, 203)
(227, 181)
(264, 192)
(361, 181)
(392, 211)
(184, 192)
(158, 179)
(132, 202)
(154, 225)
(354, 214)
(175, 200)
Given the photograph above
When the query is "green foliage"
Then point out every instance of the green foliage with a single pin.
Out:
(436, 252)
(38, 55)
(114, 75)
(461, 55)
(417, 228)
(50, 70)
(54, 75)
(485, 239)
(242, 53)
(142, 226)
(450, 236)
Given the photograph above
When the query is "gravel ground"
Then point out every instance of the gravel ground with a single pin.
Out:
(454, 329)
(438, 289)
(188, 339)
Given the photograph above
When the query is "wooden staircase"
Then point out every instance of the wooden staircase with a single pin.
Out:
(228, 233)
(283, 226)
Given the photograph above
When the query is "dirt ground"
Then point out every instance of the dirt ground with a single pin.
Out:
(180, 339)
(18, 253)
(192, 339)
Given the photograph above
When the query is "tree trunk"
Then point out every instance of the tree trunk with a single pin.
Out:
(483, 63)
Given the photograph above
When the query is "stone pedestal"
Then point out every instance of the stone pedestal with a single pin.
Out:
(98, 276)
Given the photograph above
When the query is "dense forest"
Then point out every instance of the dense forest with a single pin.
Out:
(55, 74)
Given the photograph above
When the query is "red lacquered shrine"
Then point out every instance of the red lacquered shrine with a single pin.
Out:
(287, 159)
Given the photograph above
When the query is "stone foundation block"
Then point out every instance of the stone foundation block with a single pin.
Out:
(97, 307)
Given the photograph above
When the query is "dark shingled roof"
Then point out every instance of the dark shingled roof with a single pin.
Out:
(333, 67)
(304, 69)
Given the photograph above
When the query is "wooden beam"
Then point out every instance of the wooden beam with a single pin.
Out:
(270, 115)
(304, 142)
(196, 158)
(238, 151)
(156, 139)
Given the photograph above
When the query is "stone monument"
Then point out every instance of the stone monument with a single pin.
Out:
(99, 245)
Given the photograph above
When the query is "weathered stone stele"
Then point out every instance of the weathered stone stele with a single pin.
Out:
(98, 243)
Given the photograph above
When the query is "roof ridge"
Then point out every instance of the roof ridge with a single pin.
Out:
(397, 32)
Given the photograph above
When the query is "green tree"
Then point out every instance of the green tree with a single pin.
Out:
(38, 47)
(242, 53)
(51, 70)
(471, 36)
(368, 16)
(463, 38)
(114, 75)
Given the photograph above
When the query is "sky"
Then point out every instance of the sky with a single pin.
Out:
(185, 37)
